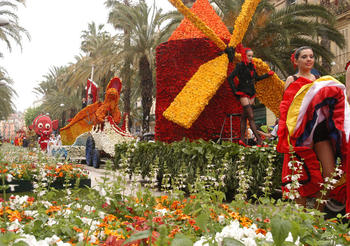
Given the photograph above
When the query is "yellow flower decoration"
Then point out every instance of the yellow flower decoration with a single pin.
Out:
(195, 96)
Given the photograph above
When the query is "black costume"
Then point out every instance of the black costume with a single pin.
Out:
(247, 76)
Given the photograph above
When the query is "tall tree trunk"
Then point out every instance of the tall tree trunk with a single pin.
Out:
(126, 75)
(126, 72)
(325, 41)
(146, 91)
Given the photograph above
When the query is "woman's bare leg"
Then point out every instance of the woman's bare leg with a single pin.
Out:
(325, 154)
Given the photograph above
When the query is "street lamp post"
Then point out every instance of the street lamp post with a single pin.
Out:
(63, 114)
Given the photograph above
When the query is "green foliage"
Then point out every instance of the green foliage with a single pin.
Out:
(191, 160)
(8, 238)
(340, 77)
(30, 114)
(181, 240)
(280, 229)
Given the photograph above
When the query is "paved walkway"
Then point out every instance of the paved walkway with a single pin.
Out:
(97, 174)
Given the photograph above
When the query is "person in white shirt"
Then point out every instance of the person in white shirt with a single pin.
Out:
(51, 144)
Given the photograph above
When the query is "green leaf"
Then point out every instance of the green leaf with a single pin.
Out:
(21, 243)
(138, 236)
(295, 229)
(227, 241)
(181, 240)
(202, 221)
(280, 229)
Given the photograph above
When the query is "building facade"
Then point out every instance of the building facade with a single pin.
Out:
(9, 127)
(341, 10)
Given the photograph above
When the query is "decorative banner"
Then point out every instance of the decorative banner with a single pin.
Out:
(91, 88)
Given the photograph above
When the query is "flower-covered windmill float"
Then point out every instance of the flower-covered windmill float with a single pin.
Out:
(192, 98)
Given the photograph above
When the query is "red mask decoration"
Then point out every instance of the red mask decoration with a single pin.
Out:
(43, 126)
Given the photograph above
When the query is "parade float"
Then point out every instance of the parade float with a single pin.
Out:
(100, 120)
(193, 95)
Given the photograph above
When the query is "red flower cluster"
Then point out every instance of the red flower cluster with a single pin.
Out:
(177, 61)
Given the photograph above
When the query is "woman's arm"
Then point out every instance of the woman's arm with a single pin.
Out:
(289, 80)
(257, 77)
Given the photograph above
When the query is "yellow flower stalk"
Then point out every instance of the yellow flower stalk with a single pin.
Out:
(198, 92)
(198, 23)
(270, 90)
(242, 22)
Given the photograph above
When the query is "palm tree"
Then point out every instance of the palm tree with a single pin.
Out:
(59, 100)
(13, 31)
(6, 95)
(8, 34)
(274, 34)
(117, 9)
(101, 52)
(146, 29)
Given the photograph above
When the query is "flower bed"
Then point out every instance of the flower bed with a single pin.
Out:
(24, 170)
(107, 216)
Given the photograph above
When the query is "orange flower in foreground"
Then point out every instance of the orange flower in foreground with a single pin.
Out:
(262, 231)
(77, 229)
(347, 237)
(15, 215)
(174, 232)
(53, 209)
(234, 215)
(3, 170)
(245, 222)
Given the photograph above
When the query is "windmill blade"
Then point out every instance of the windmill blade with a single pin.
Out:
(197, 92)
(269, 91)
(242, 22)
(197, 22)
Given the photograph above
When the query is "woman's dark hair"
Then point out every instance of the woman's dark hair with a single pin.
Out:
(298, 51)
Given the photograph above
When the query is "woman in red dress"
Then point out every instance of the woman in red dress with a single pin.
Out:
(315, 126)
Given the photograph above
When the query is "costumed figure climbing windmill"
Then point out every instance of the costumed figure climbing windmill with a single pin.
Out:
(204, 84)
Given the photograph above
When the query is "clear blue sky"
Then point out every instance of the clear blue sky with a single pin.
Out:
(55, 27)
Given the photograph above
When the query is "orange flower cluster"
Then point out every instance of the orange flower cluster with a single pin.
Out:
(206, 14)
(65, 170)
(198, 22)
